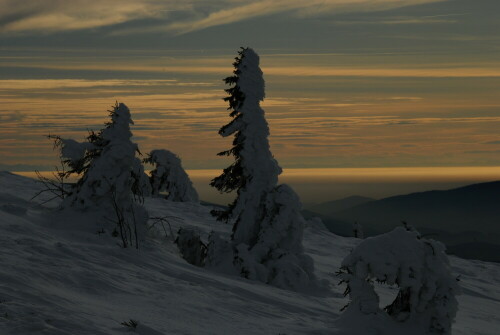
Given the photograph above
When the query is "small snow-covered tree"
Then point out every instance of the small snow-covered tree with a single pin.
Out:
(169, 176)
(111, 175)
(426, 300)
(110, 165)
(357, 230)
(266, 241)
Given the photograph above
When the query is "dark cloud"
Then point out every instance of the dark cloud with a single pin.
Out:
(318, 145)
(12, 116)
(25, 167)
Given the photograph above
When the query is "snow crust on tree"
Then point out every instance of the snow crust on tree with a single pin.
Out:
(169, 176)
(426, 300)
(266, 243)
(110, 171)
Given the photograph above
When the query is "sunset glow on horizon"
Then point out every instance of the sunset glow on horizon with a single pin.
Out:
(315, 185)
(349, 84)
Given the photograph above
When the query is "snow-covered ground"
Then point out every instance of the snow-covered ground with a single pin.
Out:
(58, 275)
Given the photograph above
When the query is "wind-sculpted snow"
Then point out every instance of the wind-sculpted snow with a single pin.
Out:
(60, 275)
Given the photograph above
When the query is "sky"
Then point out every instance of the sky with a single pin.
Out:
(349, 83)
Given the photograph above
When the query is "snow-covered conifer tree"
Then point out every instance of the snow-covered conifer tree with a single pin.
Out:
(267, 225)
(169, 176)
(254, 172)
(426, 300)
(110, 166)
(112, 178)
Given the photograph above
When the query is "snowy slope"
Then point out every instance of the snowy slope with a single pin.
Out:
(59, 276)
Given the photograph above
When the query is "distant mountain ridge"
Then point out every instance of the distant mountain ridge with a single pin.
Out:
(466, 216)
(331, 207)
(474, 207)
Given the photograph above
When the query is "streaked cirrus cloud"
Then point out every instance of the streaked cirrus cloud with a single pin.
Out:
(171, 15)
(252, 9)
(62, 15)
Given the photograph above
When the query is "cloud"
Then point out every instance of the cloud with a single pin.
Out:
(319, 145)
(433, 19)
(481, 152)
(172, 15)
(25, 167)
(298, 7)
(60, 15)
(16, 84)
(399, 123)
(451, 71)
(404, 98)
(324, 71)
(11, 117)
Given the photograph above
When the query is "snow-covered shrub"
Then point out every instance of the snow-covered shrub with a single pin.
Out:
(193, 250)
(266, 243)
(419, 267)
(169, 176)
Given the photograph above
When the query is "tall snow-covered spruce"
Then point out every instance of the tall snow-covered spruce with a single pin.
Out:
(266, 242)
(254, 172)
